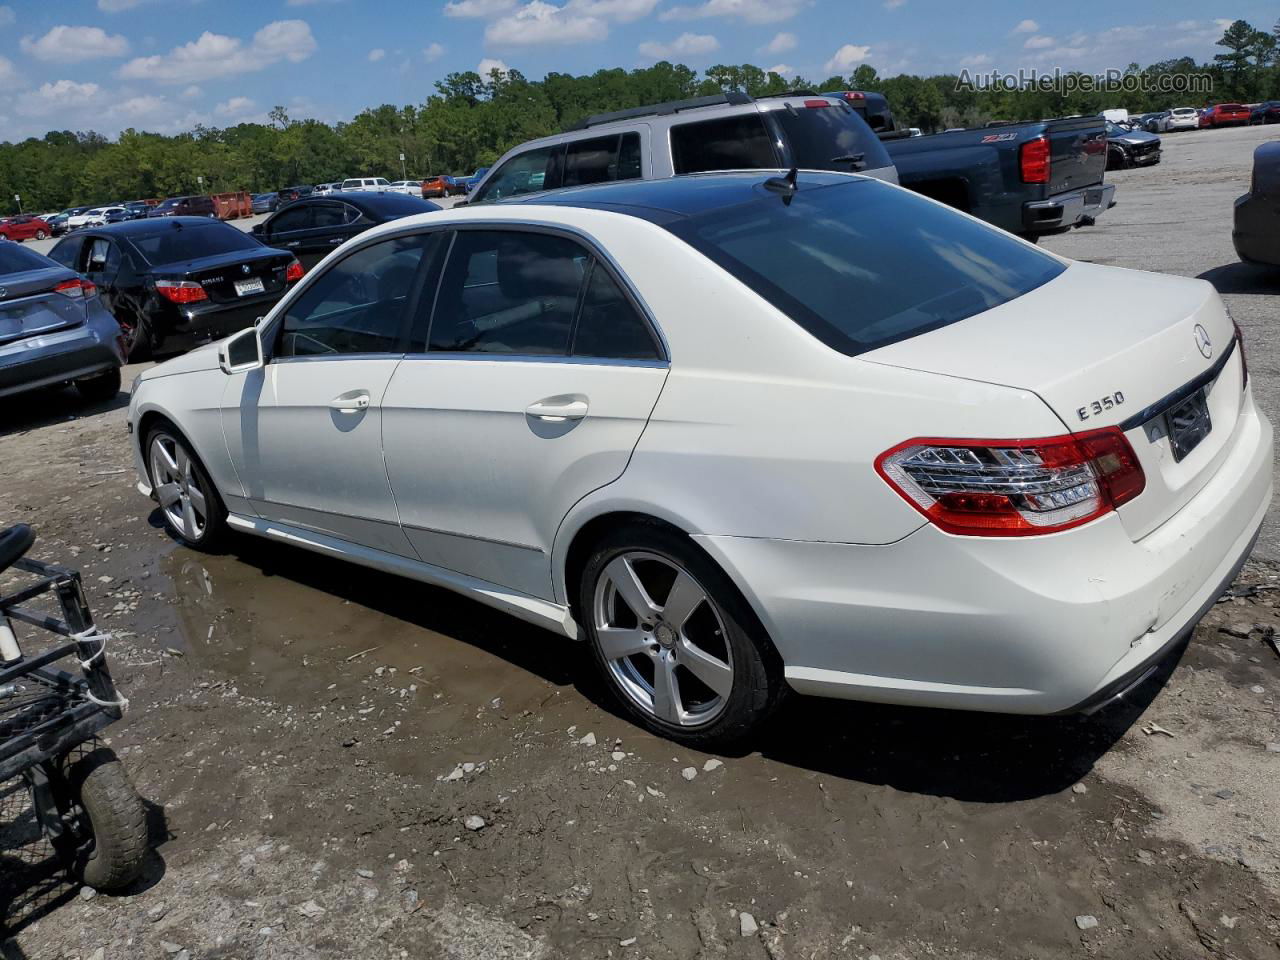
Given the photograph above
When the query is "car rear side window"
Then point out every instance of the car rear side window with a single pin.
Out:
(830, 138)
(861, 265)
(739, 142)
(174, 243)
(602, 159)
(358, 305)
(609, 326)
(16, 259)
(508, 292)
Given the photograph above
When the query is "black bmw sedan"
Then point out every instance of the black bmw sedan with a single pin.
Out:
(178, 281)
(311, 227)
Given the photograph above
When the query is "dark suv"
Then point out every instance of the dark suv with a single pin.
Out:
(183, 207)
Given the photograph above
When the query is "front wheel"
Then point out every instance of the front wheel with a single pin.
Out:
(107, 818)
(675, 641)
(190, 505)
(40, 235)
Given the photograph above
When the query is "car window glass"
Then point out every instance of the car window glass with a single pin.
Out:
(510, 292)
(66, 252)
(609, 325)
(358, 304)
(830, 138)
(328, 215)
(525, 173)
(292, 218)
(103, 259)
(728, 143)
(598, 160)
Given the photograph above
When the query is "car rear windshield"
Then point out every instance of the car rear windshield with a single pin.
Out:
(861, 264)
(173, 245)
(16, 259)
(830, 138)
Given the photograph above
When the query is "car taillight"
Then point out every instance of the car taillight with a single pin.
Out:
(1035, 160)
(1014, 488)
(294, 272)
(76, 289)
(181, 291)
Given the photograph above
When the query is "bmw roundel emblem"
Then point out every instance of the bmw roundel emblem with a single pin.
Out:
(1203, 342)
(244, 268)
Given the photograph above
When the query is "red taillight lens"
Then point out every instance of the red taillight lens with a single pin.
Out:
(294, 272)
(1035, 160)
(818, 104)
(181, 291)
(1014, 488)
(854, 95)
(76, 289)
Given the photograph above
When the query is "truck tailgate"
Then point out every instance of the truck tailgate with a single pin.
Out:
(1077, 153)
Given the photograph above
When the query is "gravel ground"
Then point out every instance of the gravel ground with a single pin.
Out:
(316, 741)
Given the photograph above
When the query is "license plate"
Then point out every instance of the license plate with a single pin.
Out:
(246, 288)
(1188, 424)
(1092, 198)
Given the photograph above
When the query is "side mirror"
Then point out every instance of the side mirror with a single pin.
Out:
(241, 351)
(257, 230)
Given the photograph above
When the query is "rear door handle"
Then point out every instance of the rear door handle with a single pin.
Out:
(350, 402)
(557, 409)
(337, 239)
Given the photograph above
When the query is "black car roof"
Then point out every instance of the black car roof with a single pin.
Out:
(386, 204)
(685, 196)
(151, 226)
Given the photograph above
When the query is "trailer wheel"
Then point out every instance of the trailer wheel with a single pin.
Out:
(106, 815)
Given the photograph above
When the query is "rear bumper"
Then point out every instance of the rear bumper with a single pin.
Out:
(1035, 625)
(1068, 209)
(207, 322)
(61, 355)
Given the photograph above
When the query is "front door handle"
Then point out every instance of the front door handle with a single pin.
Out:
(294, 243)
(350, 402)
(338, 240)
(557, 409)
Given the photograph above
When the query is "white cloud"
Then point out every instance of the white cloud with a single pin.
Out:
(478, 9)
(488, 65)
(1039, 42)
(623, 11)
(7, 16)
(893, 4)
(191, 92)
(1026, 26)
(59, 96)
(376, 54)
(781, 43)
(847, 57)
(975, 60)
(145, 106)
(75, 43)
(236, 107)
(752, 11)
(10, 79)
(685, 45)
(115, 6)
(538, 22)
(432, 52)
(217, 55)
(781, 69)
(308, 3)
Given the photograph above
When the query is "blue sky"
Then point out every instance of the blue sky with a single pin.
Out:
(168, 64)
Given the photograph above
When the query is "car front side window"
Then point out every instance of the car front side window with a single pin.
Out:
(359, 304)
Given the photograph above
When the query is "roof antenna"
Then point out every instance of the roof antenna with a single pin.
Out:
(785, 186)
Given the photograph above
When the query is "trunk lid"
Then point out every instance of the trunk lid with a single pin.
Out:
(1077, 153)
(219, 274)
(28, 305)
(1109, 347)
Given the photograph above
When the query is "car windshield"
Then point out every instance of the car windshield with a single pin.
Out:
(861, 265)
(175, 244)
(16, 259)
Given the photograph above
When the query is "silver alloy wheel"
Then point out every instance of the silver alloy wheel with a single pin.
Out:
(178, 487)
(657, 652)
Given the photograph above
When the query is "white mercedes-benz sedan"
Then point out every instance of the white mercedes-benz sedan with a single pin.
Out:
(742, 434)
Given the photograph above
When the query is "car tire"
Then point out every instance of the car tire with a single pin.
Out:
(139, 344)
(707, 675)
(190, 505)
(41, 235)
(102, 386)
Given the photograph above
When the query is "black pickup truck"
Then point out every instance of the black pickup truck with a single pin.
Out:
(1031, 178)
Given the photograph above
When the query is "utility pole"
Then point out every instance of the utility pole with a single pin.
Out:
(403, 175)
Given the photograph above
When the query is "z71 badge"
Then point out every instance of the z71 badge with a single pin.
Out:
(1098, 406)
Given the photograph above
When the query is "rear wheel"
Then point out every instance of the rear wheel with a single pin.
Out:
(107, 819)
(138, 343)
(674, 639)
(104, 386)
(40, 235)
(189, 503)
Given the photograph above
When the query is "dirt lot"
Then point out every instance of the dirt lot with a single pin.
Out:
(304, 733)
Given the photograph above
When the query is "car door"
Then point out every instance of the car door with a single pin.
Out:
(530, 388)
(332, 224)
(305, 430)
(288, 229)
(102, 265)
